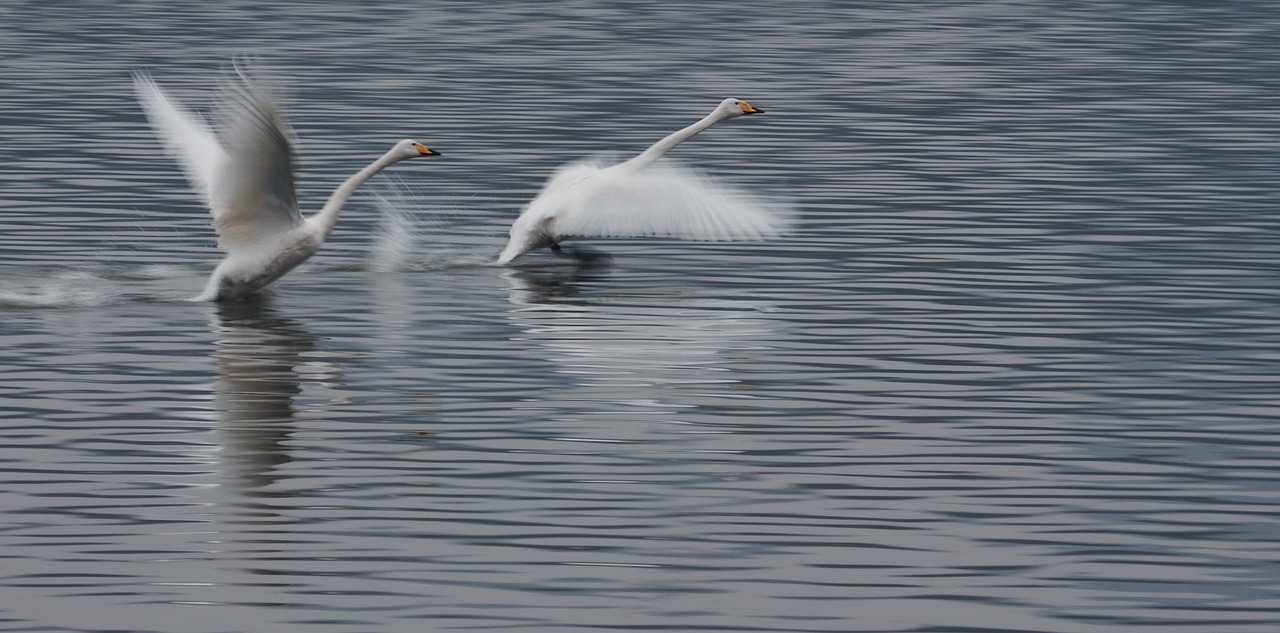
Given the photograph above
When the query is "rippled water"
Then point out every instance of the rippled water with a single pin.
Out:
(1015, 370)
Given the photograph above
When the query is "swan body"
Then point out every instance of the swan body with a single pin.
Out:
(245, 176)
(636, 198)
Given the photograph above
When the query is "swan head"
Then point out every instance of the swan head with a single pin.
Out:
(730, 108)
(410, 148)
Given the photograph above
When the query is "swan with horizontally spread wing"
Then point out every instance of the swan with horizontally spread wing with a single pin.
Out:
(637, 198)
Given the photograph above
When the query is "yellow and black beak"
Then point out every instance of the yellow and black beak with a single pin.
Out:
(425, 151)
(747, 108)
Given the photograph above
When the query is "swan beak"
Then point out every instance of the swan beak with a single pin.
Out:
(425, 151)
(747, 108)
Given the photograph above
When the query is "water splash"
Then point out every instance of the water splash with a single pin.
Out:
(73, 288)
(86, 287)
(410, 238)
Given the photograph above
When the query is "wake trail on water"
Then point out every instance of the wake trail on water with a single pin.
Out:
(408, 236)
(92, 286)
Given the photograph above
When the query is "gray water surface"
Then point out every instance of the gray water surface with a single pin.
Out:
(1015, 369)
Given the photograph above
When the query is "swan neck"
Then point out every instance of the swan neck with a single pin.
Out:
(328, 215)
(656, 150)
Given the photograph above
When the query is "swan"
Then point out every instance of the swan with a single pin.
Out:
(245, 177)
(636, 198)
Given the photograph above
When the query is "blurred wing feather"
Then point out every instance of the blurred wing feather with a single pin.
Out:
(663, 201)
(185, 136)
(253, 197)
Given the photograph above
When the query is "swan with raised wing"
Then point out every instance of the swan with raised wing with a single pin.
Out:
(245, 176)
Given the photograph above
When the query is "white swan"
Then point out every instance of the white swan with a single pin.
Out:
(247, 182)
(637, 199)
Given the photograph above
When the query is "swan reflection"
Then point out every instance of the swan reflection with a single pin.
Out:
(540, 287)
(259, 356)
(631, 341)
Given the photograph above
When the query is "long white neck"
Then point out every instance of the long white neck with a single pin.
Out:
(328, 215)
(656, 150)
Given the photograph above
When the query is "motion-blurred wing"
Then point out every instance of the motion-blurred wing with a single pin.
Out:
(253, 197)
(665, 201)
(184, 134)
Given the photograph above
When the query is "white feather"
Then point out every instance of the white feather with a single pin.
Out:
(253, 195)
(247, 182)
(185, 136)
(663, 200)
(640, 199)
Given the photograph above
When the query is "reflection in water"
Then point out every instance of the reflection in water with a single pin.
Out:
(531, 286)
(259, 355)
(630, 343)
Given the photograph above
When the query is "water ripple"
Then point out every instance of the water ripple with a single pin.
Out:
(1013, 371)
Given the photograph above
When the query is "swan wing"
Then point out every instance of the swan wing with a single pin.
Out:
(185, 136)
(661, 201)
(253, 198)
